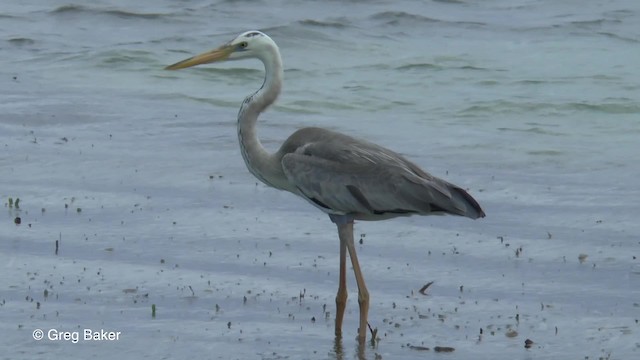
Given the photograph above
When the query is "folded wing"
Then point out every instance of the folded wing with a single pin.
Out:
(342, 175)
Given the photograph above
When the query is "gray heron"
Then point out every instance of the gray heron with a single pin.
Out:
(347, 178)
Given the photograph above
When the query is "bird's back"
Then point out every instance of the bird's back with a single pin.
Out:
(343, 175)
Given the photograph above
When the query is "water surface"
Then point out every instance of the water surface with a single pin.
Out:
(136, 172)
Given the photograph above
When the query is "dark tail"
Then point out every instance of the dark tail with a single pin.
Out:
(473, 209)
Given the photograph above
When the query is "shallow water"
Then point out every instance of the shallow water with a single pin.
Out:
(136, 172)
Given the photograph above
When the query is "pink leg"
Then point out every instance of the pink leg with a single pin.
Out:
(346, 236)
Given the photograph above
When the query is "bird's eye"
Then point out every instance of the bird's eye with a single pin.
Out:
(243, 45)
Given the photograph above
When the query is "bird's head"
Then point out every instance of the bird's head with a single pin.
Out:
(251, 44)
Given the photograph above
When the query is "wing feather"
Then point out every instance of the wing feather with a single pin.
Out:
(348, 176)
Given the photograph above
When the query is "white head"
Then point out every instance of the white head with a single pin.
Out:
(250, 44)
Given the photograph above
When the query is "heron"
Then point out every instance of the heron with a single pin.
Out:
(347, 178)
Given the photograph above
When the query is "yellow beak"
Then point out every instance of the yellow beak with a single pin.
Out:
(219, 54)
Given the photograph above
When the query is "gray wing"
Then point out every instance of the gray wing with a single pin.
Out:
(342, 175)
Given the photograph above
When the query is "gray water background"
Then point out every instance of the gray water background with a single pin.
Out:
(531, 105)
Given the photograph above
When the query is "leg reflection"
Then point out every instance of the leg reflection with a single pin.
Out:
(361, 350)
(339, 354)
(338, 349)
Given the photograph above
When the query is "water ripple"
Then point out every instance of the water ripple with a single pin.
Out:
(337, 24)
(83, 10)
(505, 107)
(397, 18)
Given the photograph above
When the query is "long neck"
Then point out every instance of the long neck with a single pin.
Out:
(261, 164)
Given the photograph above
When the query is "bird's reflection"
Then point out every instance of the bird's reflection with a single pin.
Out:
(338, 349)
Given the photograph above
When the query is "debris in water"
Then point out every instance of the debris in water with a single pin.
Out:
(425, 287)
(443, 349)
(419, 348)
(528, 343)
(374, 334)
(511, 333)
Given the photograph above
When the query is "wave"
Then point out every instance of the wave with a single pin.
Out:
(21, 41)
(419, 66)
(113, 58)
(450, 1)
(593, 23)
(532, 130)
(546, 153)
(341, 23)
(430, 66)
(395, 18)
(506, 107)
(607, 108)
(619, 37)
(593, 27)
(80, 10)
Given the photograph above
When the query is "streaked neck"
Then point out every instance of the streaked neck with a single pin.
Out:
(259, 162)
